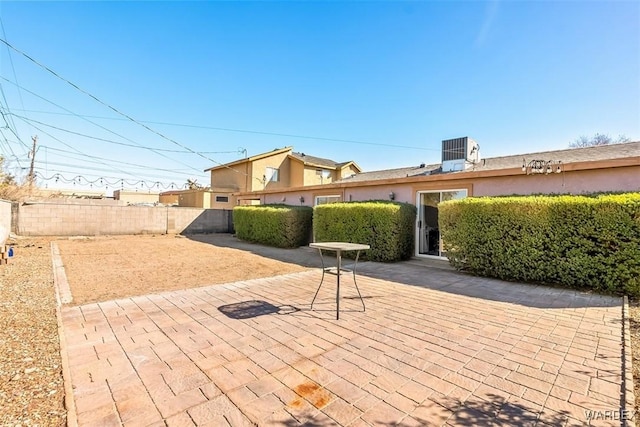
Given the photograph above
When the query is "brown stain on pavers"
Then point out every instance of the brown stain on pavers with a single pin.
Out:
(316, 395)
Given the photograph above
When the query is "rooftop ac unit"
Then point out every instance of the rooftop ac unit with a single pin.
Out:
(459, 154)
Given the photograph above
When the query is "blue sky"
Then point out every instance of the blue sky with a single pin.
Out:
(397, 77)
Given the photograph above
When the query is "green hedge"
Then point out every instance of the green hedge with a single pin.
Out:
(585, 242)
(388, 227)
(273, 225)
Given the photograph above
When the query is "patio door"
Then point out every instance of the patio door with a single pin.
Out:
(428, 241)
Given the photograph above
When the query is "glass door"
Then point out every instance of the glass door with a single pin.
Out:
(428, 232)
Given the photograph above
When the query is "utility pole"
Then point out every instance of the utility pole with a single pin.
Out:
(33, 159)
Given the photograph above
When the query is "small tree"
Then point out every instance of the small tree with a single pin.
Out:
(192, 184)
(5, 177)
(597, 139)
(9, 189)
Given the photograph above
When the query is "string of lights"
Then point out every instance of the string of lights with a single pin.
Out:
(109, 182)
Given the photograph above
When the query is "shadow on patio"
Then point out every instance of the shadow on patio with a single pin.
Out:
(427, 275)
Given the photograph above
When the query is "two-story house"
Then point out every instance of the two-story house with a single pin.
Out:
(278, 169)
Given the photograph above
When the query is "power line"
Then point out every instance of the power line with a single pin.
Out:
(113, 108)
(81, 170)
(102, 159)
(26, 119)
(96, 124)
(15, 75)
(73, 148)
(256, 132)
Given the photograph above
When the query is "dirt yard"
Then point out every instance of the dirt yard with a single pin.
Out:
(105, 268)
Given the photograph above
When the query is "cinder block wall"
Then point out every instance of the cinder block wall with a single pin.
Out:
(49, 218)
(5, 219)
(196, 221)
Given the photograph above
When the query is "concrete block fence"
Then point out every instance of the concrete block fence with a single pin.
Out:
(48, 218)
(5, 220)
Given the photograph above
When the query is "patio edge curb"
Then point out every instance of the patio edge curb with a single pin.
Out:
(60, 280)
(627, 365)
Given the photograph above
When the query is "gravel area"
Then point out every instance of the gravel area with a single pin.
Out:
(31, 383)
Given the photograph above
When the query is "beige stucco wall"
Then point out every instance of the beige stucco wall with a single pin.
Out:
(296, 178)
(234, 178)
(222, 205)
(347, 171)
(195, 199)
(136, 197)
(168, 199)
(311, 176)
(575, 182)
(259, 168)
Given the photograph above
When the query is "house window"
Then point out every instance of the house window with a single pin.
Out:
(322, 200)
(272, 175)
(222, 199)
(323, 174)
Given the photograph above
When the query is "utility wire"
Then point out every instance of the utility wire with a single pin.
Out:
(103, 159)
(13, 131)
(256, 132)
(15, 75)
(73, 148)
(98, 125)
(26, 119)
(69, 165)
(115, 109)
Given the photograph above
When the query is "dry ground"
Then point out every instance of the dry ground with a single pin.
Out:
(105, 268)
(31, 385)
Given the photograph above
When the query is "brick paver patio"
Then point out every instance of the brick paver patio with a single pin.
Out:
(434, 347)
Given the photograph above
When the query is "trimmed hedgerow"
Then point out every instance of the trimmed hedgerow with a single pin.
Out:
(281, 226)
(585, 242)
(388, 227)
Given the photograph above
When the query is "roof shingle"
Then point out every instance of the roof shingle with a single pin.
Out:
(571, 155)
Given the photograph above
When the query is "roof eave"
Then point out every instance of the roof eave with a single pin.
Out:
(453, 176)
(252, 158)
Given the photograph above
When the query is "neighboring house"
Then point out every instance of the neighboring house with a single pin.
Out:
(462, 173)
(170, 198)
(192, 198)
(134, 197)
(279, 169)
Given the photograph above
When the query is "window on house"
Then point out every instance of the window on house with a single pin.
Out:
(323, 174)
(272, 175)
(222, 199)
(322, 200)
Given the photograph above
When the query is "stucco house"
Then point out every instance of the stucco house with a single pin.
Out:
(135, 197)
(463, 173)
(279, 169)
